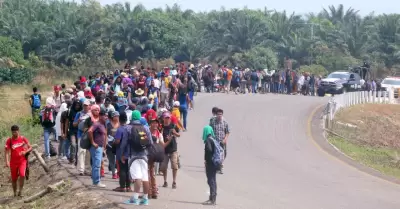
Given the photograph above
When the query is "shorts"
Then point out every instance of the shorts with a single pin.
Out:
(228, 83)
(191, 94)
(139, 170)
(18, 170)
(173, 157)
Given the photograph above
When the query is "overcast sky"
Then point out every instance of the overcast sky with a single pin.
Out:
(298, 6)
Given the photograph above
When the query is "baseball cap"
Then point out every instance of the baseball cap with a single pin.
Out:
(86, 102)
(166, 115)
(102, 112)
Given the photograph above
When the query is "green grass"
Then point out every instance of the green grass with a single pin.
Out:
(31, 132)
(384, 160)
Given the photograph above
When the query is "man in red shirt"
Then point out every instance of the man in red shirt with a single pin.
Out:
(17, 147)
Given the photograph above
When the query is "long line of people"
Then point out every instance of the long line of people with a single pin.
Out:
(133, 117)
(243, 80)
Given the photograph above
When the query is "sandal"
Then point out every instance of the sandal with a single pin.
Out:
(129, 189)
(119, 189)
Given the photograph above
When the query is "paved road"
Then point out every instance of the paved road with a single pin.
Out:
(271, 162)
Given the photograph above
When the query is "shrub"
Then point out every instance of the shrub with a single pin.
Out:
(16, 75)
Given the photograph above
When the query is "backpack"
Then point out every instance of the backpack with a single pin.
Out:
(236, 76)
(36, 101)
(225, 74)
(138, 138)
(84, 143)
(47, 118)
(156, 152)
(218, 155)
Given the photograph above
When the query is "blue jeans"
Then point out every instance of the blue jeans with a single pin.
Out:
(289, 87)
(96, 156)
(46, 136)
(253, 87)
(184, 113)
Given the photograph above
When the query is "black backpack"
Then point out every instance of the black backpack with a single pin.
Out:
(156, 152)
(138, 138)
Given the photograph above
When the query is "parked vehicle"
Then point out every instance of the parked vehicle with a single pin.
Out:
(340, 82)
(391, 82)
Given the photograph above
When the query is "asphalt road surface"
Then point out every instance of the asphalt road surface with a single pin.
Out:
(271, 162)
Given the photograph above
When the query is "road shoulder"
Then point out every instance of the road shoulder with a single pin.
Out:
(318, 138)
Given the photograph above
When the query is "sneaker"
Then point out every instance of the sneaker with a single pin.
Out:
(165, 184)
(144, 202)
(115, 176)
(174, 185)
(64, 158)
(208, 202)
(133, 201)
(100, 185)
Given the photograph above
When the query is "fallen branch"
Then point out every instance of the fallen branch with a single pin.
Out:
(49, 189)
(33, 159)
(39, 158)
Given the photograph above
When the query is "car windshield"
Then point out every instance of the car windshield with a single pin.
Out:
(391, 82)
(338, 75)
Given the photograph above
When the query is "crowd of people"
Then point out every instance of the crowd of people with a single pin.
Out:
(243, 80)
(134, 118)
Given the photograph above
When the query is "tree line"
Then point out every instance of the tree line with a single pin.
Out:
(68, 34)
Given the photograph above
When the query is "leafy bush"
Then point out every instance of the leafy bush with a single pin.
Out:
(12, 49)
(314, 69)
(16, 75)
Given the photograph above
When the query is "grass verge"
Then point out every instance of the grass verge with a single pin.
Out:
(385, 160)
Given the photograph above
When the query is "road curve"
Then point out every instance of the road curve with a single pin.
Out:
(272, 162)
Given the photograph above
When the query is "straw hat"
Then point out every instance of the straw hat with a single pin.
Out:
(139, 92)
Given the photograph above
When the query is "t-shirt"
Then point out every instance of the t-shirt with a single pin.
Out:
(167, 130)
(141, 83)
(229, 75)
(99, 133)
(157, 83)
(122, 134)
(126, 91)
(159, 136)
(164, 86)
(17, 146)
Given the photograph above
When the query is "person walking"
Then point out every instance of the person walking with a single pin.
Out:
(136, 151)
(48, 123)
(16, 149)
(120, 137)
(211, 168)
(98, 139)
(221, 130)
(170, 134)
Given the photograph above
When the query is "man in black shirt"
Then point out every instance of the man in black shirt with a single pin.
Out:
(170, 132)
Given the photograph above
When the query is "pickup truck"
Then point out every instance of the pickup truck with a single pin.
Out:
(339, 83)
